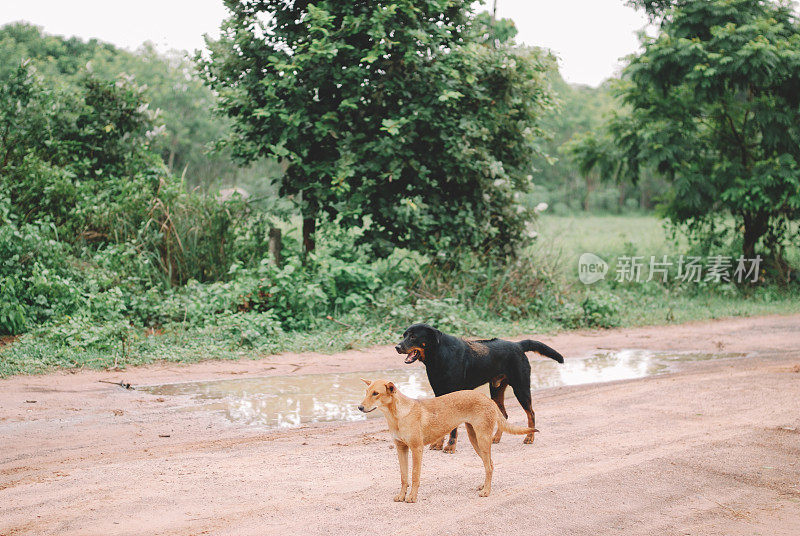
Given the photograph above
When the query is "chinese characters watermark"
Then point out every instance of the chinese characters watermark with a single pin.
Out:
(684, 268)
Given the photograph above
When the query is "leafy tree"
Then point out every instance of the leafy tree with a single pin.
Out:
(394, 115)
(56, 57)
(78, 163)
(185, 107)
(173, 89)
(491, 30)
(715, 107)
(581, 109)
(656, 9)
(79, 159)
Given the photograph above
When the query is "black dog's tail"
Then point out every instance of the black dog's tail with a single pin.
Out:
(540, 348)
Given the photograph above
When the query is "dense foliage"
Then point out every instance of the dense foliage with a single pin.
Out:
(714, 105)
(399, 116)
(405, 124)
(78, 160)
(175, 92)
(81, 189)
(101, 244)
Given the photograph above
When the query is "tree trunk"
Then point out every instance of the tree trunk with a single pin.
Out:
(589, 188)
(755, 226)
(275, 244)
(309, 228)
(172, 146)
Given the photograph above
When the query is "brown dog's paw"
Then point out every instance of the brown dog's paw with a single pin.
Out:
(484, 492)
(450, 448)
(528, 439)
(496, 439)
(437, 445)
(400, 497)
(411, 498)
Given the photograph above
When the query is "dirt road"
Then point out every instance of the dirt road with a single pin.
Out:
(711, 449)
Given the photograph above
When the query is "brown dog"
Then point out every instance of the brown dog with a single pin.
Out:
(416, 423)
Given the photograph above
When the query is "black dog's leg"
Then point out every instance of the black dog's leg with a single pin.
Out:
(498, 393)
(523, 394)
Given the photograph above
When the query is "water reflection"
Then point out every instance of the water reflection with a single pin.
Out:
(288, 401)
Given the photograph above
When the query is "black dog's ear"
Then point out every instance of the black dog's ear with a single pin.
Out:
(438, 335)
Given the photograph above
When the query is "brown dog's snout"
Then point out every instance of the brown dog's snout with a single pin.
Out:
(363, 410)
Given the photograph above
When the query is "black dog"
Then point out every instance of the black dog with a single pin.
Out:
(454, 364)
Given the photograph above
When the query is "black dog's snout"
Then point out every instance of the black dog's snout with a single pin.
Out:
(399, 349)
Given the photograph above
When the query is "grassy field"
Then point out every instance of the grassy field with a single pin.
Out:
(560, 243)
(567, 237)
(609, 236)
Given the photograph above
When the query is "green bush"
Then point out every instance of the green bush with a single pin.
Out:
(37, 283)
(570, 315)
(447, 314)
(249, 330)
(600, 310)
(78, 157)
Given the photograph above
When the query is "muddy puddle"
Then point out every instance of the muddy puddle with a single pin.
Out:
(289, 401)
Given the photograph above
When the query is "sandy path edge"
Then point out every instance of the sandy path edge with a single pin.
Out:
(713, 449)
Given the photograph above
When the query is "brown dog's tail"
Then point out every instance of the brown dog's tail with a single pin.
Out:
(504, 425)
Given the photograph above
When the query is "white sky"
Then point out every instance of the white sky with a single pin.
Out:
(589, 36)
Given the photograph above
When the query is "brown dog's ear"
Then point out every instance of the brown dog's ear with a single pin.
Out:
(390, 387)
(366, 381)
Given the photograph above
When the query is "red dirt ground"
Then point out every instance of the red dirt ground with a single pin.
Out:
(713, 449)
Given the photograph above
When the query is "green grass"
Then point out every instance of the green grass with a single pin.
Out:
(567, 237)
(561, 241)
(652, 310)
(610, 236)
(36, 355)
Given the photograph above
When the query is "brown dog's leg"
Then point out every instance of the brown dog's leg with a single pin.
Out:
(471, 436)
(437, 445)
(451, 441)
(402, 457)
(416, 461)
(499, 396)
(482, 443)
(486, 456)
